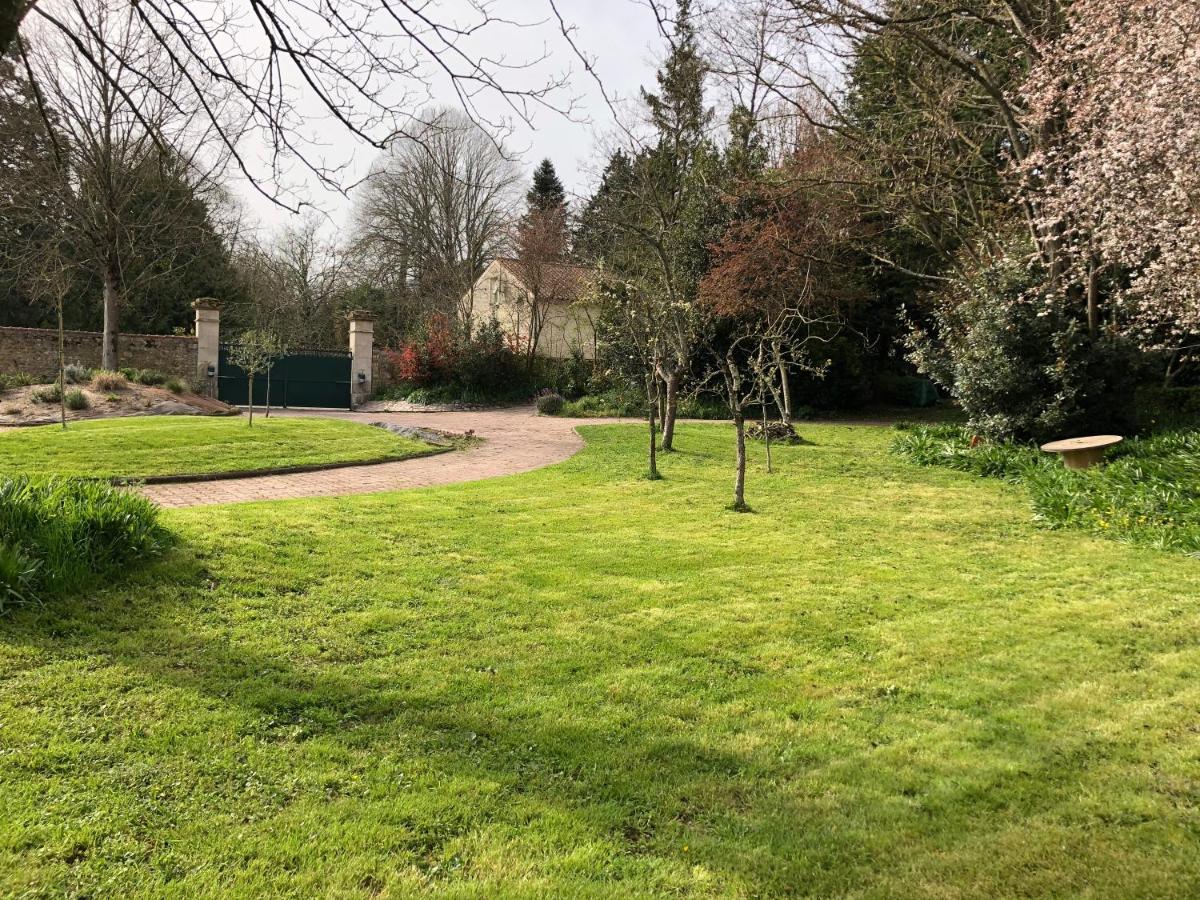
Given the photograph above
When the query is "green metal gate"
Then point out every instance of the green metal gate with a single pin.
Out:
(303, 378)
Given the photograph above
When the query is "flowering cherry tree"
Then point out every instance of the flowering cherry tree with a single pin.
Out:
(1114, 102)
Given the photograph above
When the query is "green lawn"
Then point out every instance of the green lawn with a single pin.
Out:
(143, 447)
(574, 682)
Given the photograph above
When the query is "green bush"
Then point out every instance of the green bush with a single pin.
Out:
(174, 385)
(550, 404)
(611, 403)
(1168, 409)
(76, 399)
(63, 533)
(1020, 363)
(1147, 493)
(703, 407)
(51, 393)
(15, 380)
(74, 373)
(150, 378)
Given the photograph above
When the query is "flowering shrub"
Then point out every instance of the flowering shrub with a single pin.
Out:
(1118, 91)
(429, 358)
(483, 365)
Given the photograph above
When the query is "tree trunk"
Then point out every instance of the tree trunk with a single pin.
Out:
(651, 407)
(786, 410)
(1093, 300)
(112, 312)
(62, 365)
(267, 413)
(739, 483)
(250, 396)
(672, 407)
(767, 439)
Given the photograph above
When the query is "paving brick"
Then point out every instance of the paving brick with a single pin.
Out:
(515, 440)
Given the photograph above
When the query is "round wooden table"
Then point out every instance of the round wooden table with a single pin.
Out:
(1083, 452)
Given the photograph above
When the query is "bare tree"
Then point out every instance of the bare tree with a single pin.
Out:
(366, 65)
(633, 320)
(254, 352)
(540, 241)
(50, 282)
(437, 207)
(118, 145)
(751, 358)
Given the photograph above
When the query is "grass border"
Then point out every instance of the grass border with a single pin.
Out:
(236, 474)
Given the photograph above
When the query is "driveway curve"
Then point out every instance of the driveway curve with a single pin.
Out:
(514, 440)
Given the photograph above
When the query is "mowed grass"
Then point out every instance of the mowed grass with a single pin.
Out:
(150, 446)
(577, 683)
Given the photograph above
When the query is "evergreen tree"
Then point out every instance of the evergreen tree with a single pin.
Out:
(547, 192)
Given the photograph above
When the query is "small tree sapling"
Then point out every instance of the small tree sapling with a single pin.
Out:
(253, 352)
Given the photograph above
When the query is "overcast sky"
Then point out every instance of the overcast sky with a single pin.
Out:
(621, 35)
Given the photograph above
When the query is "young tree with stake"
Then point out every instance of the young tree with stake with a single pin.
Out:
(253, 352)
(632, 326)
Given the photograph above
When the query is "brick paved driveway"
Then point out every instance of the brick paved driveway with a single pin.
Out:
(514, 440)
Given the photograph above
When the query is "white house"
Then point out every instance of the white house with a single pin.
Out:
(569, 320)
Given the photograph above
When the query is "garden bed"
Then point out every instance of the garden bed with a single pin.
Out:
(103, 397)
(1147, 493)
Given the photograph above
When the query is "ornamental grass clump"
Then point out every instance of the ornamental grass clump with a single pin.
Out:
(59, 534)
(1147, 493)
(109, 381)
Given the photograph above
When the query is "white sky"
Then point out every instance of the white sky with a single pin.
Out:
(622, 37)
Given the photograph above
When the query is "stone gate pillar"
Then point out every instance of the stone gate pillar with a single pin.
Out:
(208, 341)
(362, 346)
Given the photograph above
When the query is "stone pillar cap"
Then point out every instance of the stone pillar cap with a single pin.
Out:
(361, 315)
(206, 303)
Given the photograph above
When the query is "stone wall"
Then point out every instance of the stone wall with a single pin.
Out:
(382, 372)
(34, 351)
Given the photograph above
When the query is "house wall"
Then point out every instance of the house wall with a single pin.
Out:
(567, 324)
(34, 351)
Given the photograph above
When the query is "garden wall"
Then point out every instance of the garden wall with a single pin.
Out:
(34, 351)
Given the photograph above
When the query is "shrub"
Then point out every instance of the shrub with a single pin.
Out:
(440, 366)
(74, 373)
(550, 404)
(174, 385)
(76, 400)
(51, 393)
(129, 373)
(611, 403)
(1168, 409)
(103, 380)
(15, 380)
(703, 407)
(150, 378)
(1020, 365)
(73, 531)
